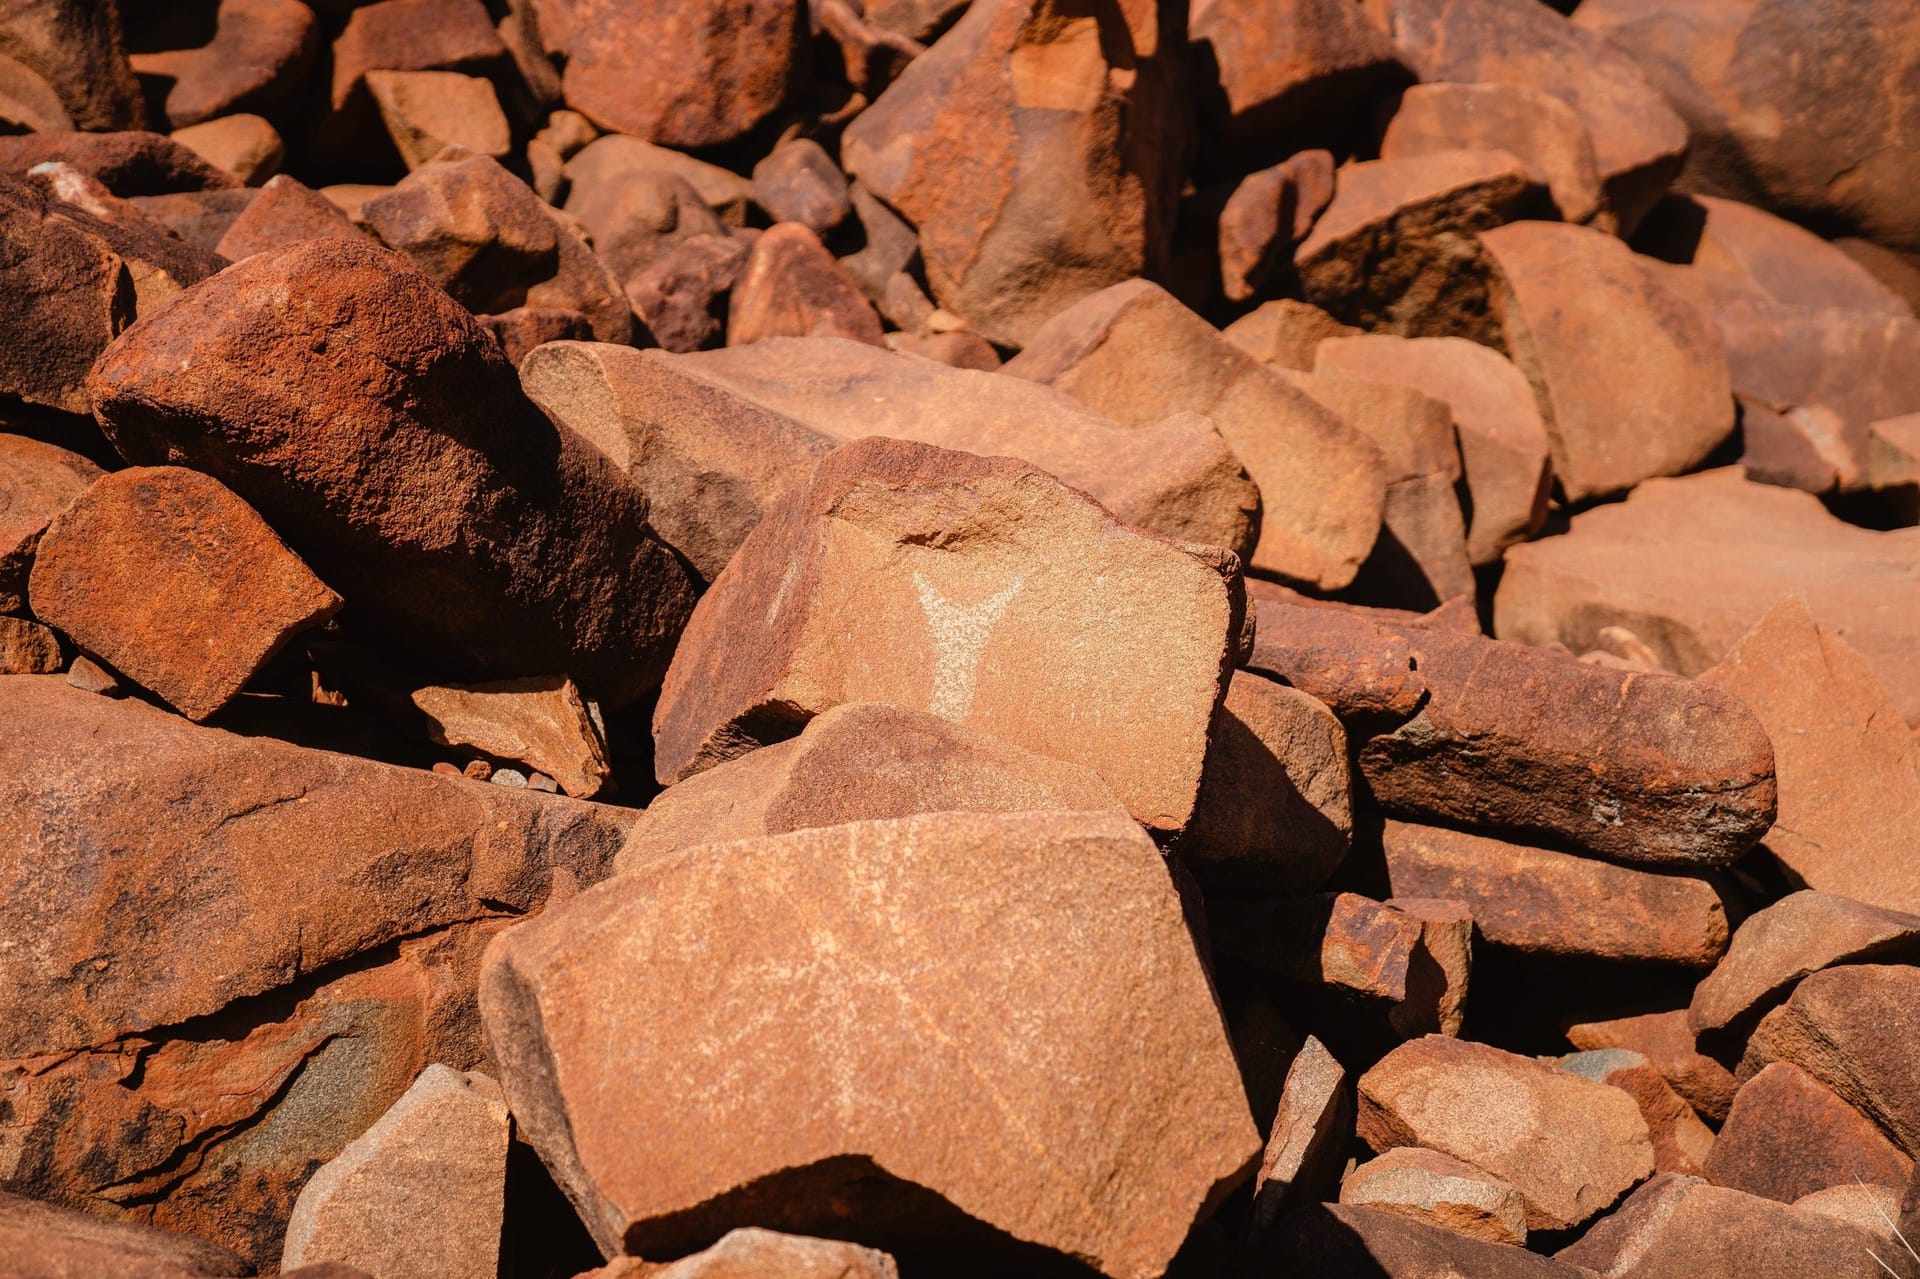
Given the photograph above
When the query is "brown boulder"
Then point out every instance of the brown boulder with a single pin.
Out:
(863, 761)
(1667, 1042)
(1349, 1239)
(286, 212)
(254, 58)
(1343, 657)
(799, 182)
(1072, 152)
(1312, 1128)
(45, 1241)
(1570, 1146)
(1425, 1185)
(752, 1253)
(504, 544)
(37, 481)
(75, 50)
(1265, 215)
(420, 1195)
(843, 1114)
(597, 171)
(1529, 123)
(1133, 353)
(1631, 378)
(428, 111)
(1681, 1143)
(792, 287)
(637, 213)
(682, 295)
(987, 589)
(127, 164)
(198, 217)
(1548, 903)
(1788, 1135)
(1745, 252)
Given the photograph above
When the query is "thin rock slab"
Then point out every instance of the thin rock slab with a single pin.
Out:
(752, 1253)
(46, 1241)
(1789, 1135)
(407, 462)
(421, 1194)
(127, 164)
(1425, 1185)
(1538, 129)
(1352, 1239)
(245, 147)
(1666, 1041)
(843, 1113)
(1542, 902)
(541, 720)
(863, 761)
(176, 582)
(1681, 1142)
(37, 482)
(1312, 1128)
(1362, 671)
(987, 589)
(1570, 1146)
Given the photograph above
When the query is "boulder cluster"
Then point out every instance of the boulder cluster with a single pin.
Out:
(736, 639)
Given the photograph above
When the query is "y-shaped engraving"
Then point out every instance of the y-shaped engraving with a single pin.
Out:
(959, 636)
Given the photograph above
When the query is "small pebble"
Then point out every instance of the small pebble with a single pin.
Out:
(509, 777)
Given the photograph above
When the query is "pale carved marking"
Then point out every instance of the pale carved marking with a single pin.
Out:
(959, 633)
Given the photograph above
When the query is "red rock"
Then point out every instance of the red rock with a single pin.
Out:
(1789, 1135)
(1285, 333)
(1051, 206)
(246, 148)
(419, 1194)
(1667, 1042)
(1425, 1185)
(370, 461)
(526, 328)
(542, 722)
(37, 481)
(799, 182)
(1268, 213)
(198, 217)
(683, 73)
(1348, 1239)
(1681, 1143)
(750, 1252)
(1570, 1146)
(254, 59)
(959, 349)
(1749, 252)
(285, 213)
(1311, 1131)
(792, 287)
(971, 626)
(638, 217)
(1542, 902)
(76, 46)
(682, 295)
(604, 165)
(396, 35)
(1342, 657)
(1321, 481)
(1542, 132)
(428, 111)
(45, 1241)
(1632, 380)
(28, 648)
(127, 164)
(925, 1126)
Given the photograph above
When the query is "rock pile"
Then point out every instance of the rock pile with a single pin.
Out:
(1256, 639)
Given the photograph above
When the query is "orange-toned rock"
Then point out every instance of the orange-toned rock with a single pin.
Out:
(28, 648)
(799, 182)
(636, 211)
(1177, 477)
(198, 217)
(1352, 1239)
(1311, 1131)
(37, 481)
(406, 462)
(1135, 354)
(525, 328)
(428, 111)
(1529, 123)
(752, 1253)
(603, 165)
(1681, 1143)
(253, 56)
(1267, 213)
(842, 1114)
(988, 594)
(1740, 251)
(541, 721)
(1570, 1146)
(792, 287)
(76, 50)
(1667, 1042)
(1788, 1135)
(46, 1241)
(245, 147)
(1440, 1190)
(1072, 153)
(863, 761)
(285, 212)
(683, 73)
(396, 35)
(1340, 656)
(1285, 332)
(420, 1195)
(1631, 378)
(176, 582)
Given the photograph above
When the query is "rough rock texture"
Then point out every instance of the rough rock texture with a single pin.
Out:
(1690, 564)
(396, 35)
(863, 761)
(28, 648)
(37, 481)
(753, 1253)
(419, 1195)
(44, 1241)
(1569, 1145)
(991, 597)
(1747, 253)
(1631, 378)
(1176, 477)
(1550, 903)
(1342, 657)
(428, 111)
(1536, 128)
(285, 212)
(77, 48)
(1349, 1239)
(792, 287)
(1428, 1186)
(1681, 1143)
(1312, 1127)
(683, 295)
(1133, 353)
(176, 582)
(1072, 152)
(1667, 1042)
(508, 546)
(799, 182)
(844, 1100)
(127, 164)
(1788, 1135)
(541, 721)
(254, 59)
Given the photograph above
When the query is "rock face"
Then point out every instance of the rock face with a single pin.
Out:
(37, 482)
(420, 1194)
(1727, 552)
(1681, 1143)
(176, 582)
(863, 761)
(1320, 480)
(515, 550)
(792, 287)
(986, 588)
(1073, 155)
(1311, 1128)
(750, 1251)
(42, 1241)
(1788, 1135)
(1428, 1186)
(842, 1113)
(1570, 1146)
(254, 60)
(1350, 1239)
(77, 49)
(1667, 1042)
(1530, 124)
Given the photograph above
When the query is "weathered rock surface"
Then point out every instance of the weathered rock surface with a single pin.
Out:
(1788, 1135)
(799, 182)
(43, 1241)
(28, 648)
(1268, 212)
(1340, 656)
(1667, 1042)
(1425, 1185)
(843, 1113)
(792, 287)
(1529, 123)
(77, 50)
(505, 545)
(1745, 252)
(285, 212)
(127, 164)
(1681, 1143)
(990, 598)
(1311, 1129)
(247, 148)
(396, 35)
(1350, 1239)
(254, 59)
(37, 481)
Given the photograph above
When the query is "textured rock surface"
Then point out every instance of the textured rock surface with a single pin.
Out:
(37, 481)
(924, 1124)
(1311, 1127)
(1788, 1135)
(1681, 1143)
(791, 287)
(1667, 1042)
(42, 1241)
(1536, 128)
(1428, 1186)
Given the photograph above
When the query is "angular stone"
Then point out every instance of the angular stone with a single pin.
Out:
(1349, 1239)
(752, 1253)
(1396, 251)
(198, 217)
(1875, 1209)
(246, 148)
(1638, 141)
(1570, 1146)
(843, 1112)
(1677, 1225)
(988, 592)
(176, 582)
(27, 102)
(380, 463)
(958, 349)
(421, 1194)
(1681, 1143)
(1438, 1189)
(1446, 932)
(1749, 252)
(127, 164)
(799, 182)
(637, 215)
(1285, 333)
(541, 721)
(77, 47)
(483, 235)
(92, 677)
(1135, 354)
(254, 59)
(1361, 670)
(1529, 123)
(1311, 1131)
(158, 263)
(28, 648)
(1667, 1042)
(1504, 450)
(397, 35)
(1788, 1135)
(1177, 478)
(610, 162)
(682, 73)
(1691, 564)
(286, 212)
(1073, 154)
(37, 482)
(1652, 770)
(428, 111)
(1267, 214)
(1852, 1028)
(792, 287)
(46, 1241)
(864, 761)
(1275, 812)
(526, 328)
(682, 295)
(1631, 378)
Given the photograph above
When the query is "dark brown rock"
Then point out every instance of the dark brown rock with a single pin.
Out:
(1789, 1135)
(127, 164)
(28, 648)
(285, 212)
(637, 215)
(396, 35)
(76, 48)
(1267, 214)
(792, 287)
(1350, 1239)
(682, 295)
(525, 328)
(45, 1241)
(1342, 657)
(254, 59)
(37, 481)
